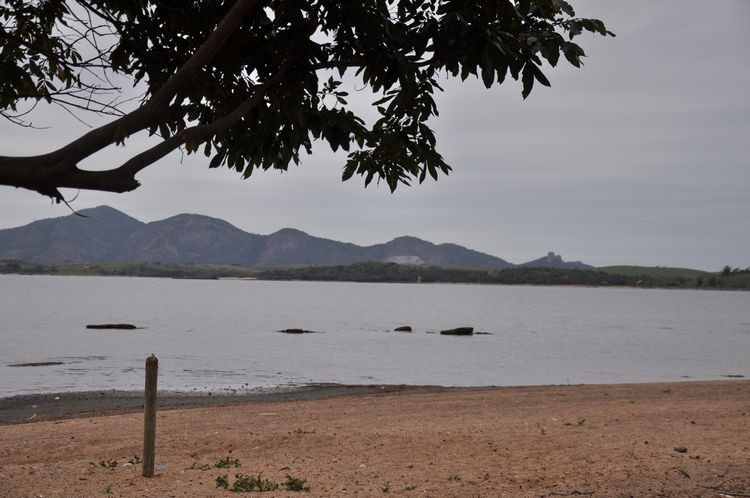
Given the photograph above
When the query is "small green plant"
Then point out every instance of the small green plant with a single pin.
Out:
(410, 487)
(295, 484)
(108, 464)
(108, 490)
(581, 421)
(454, 478)
(245, 483)
(227, 462)
(300, 431)
(205, 466)
(386, 488)
(135, 460)
(222, 481)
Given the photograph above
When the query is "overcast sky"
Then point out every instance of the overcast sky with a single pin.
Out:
(641, 157)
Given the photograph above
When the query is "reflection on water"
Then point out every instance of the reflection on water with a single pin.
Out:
(212, 335)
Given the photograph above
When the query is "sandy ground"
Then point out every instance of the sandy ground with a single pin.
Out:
(531, 441)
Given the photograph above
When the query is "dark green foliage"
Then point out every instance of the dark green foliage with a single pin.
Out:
(35, 62)
(227, 462)
(728, 279)
(222, 481)
(284, 66)
(246, 483)
(108, 464)
(133, 269)
(295, 484)
(392, 272)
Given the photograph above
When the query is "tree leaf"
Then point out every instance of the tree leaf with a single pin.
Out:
(527, 79)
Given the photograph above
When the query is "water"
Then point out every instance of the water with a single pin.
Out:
(217, 335)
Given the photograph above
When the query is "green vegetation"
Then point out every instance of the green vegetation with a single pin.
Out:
(245, 483)
(227, 462)
(620, 276)
(222, 481)
(728, 278)
(295, 484)
(129, 269)
(392, 272)
(654, 272)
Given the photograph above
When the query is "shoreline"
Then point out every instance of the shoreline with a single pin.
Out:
(31, 408)
(502, 284)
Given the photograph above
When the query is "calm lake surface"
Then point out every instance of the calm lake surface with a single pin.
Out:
(218, 335)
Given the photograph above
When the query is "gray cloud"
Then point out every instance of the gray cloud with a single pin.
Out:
(639, 158)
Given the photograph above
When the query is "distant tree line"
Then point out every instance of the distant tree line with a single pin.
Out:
(392, 272)
(127, 269)
(728, 278)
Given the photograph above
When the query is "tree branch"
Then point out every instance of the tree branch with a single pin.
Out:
(48, 172)
(47, 180)
(68, 156)
(200, 133)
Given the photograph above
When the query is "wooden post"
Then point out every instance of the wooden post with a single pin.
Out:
(149, 416)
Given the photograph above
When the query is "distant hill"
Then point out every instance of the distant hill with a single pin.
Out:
(106, 234)
(99, 237)
(552, 260)
(191, 238)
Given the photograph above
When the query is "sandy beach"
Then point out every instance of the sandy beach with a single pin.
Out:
(676, 439)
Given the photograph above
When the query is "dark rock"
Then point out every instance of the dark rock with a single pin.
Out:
(403, 328)
(681, 449)
(121, 326)
(37, 364)
(296, 331)
(458, 331)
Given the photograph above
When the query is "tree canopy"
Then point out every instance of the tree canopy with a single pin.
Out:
(252, 83)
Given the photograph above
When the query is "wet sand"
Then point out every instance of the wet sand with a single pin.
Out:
(53, 406)
(668, 439)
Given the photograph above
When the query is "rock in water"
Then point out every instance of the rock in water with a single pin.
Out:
(458, 331)
(121, 326)
(403, 328)
(296, 331)
(37, 364)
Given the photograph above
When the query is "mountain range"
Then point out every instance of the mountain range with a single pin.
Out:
(106, 234)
